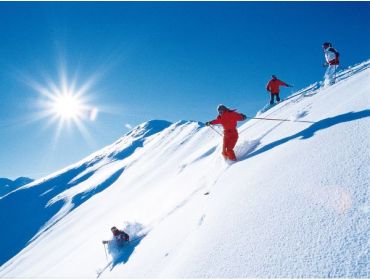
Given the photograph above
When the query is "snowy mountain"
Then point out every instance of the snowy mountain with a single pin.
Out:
(7, 185)
(296, 204)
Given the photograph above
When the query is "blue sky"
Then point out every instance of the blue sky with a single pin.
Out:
(154, 60)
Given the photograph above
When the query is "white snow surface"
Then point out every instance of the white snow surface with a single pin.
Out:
(296, 204)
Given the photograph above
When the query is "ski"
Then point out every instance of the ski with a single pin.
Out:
(268, 107)
(101, 270)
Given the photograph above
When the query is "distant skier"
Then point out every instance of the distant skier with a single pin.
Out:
(332, 62)
(273, 87)
(228, 119)
(119, 236)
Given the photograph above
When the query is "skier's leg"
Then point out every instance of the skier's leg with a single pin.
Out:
(231, 142)
(277, 98)
(331, 74)
(335, 67)
(224, 146)
(327, 76)
(272, 98)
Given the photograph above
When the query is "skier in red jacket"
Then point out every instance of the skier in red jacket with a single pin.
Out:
(119, 236)
(228, 119)
(273, 87)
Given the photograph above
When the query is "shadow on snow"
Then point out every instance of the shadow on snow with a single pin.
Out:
(122, 254)
(311, 130)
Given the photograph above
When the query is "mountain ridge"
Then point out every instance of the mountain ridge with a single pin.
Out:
(8, 185)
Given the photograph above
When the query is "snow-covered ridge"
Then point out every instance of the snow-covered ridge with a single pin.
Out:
(296, 204)
(7, 185)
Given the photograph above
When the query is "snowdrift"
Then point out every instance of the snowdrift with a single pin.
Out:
(296, 204)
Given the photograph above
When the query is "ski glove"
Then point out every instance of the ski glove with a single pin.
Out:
(244, 117)
(208, 123)
(105, 242)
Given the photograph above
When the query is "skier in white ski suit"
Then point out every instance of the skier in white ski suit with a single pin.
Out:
(332, 62)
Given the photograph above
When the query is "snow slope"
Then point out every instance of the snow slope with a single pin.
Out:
(296, 204)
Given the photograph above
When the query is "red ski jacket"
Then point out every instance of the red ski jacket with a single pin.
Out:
(228, 119)
(274, 84)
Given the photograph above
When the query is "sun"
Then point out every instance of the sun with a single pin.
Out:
(67, 106)
(65, 103)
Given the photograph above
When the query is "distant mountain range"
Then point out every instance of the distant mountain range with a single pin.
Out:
(7, 185)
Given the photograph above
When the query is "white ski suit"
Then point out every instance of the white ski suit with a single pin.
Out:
(332, 60)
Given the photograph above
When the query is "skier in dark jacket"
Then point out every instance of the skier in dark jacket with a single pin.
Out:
(273, 86)
(228, 119)
(119, 236)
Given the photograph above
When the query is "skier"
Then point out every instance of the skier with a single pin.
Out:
(332, 62)
(228, 119)
(119, 236)
(273, 87)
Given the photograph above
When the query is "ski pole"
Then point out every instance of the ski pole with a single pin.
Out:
(282, 120)
(105, 251)
(215, 130)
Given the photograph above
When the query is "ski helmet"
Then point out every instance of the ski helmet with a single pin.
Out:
(274, 76)
(221, 108)
(326, 45)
